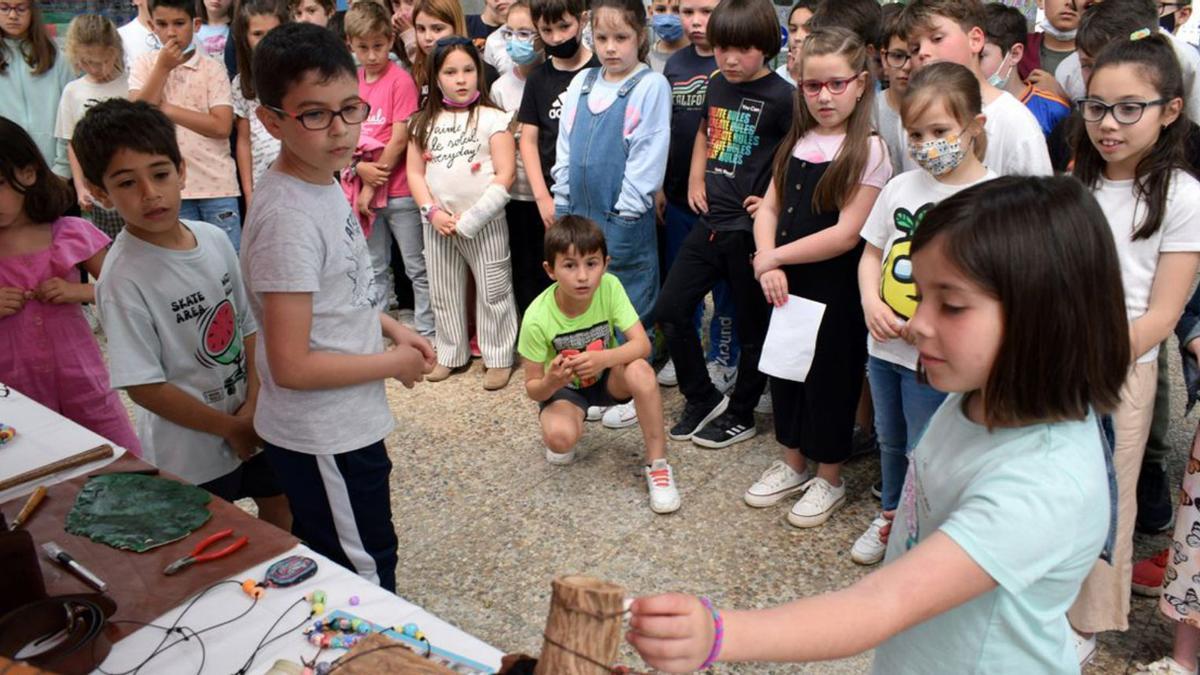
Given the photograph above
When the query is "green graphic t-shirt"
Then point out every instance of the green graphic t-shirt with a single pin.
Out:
(546, 332)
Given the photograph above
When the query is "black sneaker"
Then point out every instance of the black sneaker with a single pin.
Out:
(695, 416)
(1156, 512)
(863, 442)
(724, 431)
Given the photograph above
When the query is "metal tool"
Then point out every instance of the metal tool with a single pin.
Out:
(198, 555)
(57, 554)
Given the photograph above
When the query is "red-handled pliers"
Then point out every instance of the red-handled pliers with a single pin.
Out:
(198, 556)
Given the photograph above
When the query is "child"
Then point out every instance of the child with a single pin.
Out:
(943, 120)
(625, 105)
(94, 46)
(897, 68)
(688, 72)
(826, 176)
(560, 25)
(316, 12)
(1132, 160)
(1004, 508)
(137, 36)
(406, 34)
(667, 24)
(215, 17)
(433, 20)
(322, 411)
(525, 229)
(797, 30)
(256, 148)
(952, 30)
(392, 95)
(47, 351)
(32, 78)
(1047, 48)
(481, 26)
(193, 90)
(180, 335)
(748, 112)
(1005, 30)
(460, 167)
(572, 360)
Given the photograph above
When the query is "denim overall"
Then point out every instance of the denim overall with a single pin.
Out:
(597, 170)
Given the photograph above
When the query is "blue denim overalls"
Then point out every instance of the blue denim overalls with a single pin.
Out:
(597, 170)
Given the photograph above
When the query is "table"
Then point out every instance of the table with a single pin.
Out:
(45, 436)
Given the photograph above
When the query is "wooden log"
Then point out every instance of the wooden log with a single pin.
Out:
(86, 457)
(583, 628)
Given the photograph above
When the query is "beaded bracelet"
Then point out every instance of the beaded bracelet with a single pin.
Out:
(718, 637)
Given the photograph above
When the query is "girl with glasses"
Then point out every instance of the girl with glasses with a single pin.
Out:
(1131, 159)
(32, 77)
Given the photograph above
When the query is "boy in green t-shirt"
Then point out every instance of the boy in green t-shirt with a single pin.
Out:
(572, 359)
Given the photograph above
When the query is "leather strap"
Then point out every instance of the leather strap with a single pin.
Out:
(72, 624)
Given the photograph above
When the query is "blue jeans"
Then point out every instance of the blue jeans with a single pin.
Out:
(723, 344)
(219, 211)
(903, 407)
(401, 219)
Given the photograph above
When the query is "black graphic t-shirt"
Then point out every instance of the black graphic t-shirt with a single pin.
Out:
(688, 73)
(745, 124)
(541, 106)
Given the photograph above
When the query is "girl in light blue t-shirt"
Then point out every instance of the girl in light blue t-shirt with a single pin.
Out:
(1007, 503)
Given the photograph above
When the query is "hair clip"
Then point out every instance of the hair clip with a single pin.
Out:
(1139, 34)
(452, 40)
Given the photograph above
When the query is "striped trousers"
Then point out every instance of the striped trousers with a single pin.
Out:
(447, 260)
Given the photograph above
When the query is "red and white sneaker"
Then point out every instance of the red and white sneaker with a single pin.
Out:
(660, 479)
(1148, 574)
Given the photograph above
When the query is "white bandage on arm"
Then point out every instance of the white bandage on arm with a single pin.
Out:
(487, 208)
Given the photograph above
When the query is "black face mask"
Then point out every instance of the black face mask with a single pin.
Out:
(1167, 22)
(564, 50)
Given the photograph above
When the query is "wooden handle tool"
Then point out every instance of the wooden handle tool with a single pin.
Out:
(86, 457)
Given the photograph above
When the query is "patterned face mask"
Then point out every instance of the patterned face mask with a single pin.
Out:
(939, 156)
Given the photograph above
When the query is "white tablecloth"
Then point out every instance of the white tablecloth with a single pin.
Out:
(226, 649)
(43, 436)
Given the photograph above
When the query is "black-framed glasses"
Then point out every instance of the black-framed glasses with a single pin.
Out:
(321, 118)
(896, 58)
(1124, 112)
(812, 88)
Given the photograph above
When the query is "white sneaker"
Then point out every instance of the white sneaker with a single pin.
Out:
(667, 376)
(819, 502)
(868, 549)
(560, 458)
(1085, 648)
(620, 416)
(1164, 666)
(775, 484)
(764, 405)
(660, 479)
(723, 377)
(595, 412)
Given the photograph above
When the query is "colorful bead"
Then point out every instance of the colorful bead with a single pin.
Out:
(353, 600)
(323, 668)
(318, 608)
(318, 597)
(411, 630)
(307, 671)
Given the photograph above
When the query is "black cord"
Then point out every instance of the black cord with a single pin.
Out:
(263, 642)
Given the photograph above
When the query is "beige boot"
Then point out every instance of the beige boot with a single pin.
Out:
(496, 378)
(441, 372)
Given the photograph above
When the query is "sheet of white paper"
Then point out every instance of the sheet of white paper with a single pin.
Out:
(792, 339)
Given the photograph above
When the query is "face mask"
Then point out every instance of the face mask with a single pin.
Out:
(939, 156)
(521, 52)
(1001, 81)
(1049, 29)
(667, 26)
(1167, 22)
(565, 50)
(465, 104)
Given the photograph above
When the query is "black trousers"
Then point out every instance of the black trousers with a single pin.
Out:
(526, 235)
(706, 257)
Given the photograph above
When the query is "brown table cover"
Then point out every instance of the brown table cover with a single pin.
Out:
(136, 580)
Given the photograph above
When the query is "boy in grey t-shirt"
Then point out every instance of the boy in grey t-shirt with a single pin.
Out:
(322, 412)
(175, 312)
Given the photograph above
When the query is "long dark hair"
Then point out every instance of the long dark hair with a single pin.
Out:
(844, 173)
(48, 196)
(1038, 245)
(37, 49)
(422, 123)
(242, 11)
(1155, 60)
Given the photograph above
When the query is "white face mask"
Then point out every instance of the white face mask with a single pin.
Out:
(1049, 29)
(1001, 81)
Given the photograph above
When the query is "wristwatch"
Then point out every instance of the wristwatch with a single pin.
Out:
(428, 210)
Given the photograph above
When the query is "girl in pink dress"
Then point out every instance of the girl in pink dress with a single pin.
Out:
(47, 351)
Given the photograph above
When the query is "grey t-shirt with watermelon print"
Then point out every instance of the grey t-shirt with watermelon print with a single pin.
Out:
(178, 317)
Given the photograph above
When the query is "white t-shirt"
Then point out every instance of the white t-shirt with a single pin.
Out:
(1016, 145)
(495, 52)
(507, 93)
(81, 94)
(783, 72)
(1180, 231)
(264, 147)
(893, 220)
(136, 39)
(1070, 74)
(303, 238)
(178, 317)
(460, 167)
